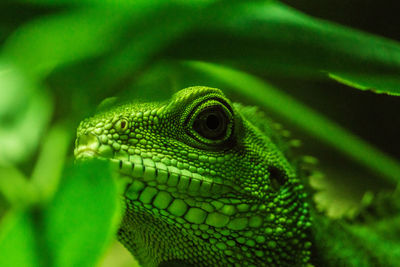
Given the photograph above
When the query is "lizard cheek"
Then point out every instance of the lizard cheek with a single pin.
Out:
(86, 145)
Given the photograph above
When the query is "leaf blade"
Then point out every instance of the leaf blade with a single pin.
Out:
(80, 221)
(273, 38)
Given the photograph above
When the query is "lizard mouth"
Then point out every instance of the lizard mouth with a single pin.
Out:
(178, 192)
(141, 172)
(84, 153)
(145, 172)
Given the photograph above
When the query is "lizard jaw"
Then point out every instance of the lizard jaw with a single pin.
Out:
(143, 172)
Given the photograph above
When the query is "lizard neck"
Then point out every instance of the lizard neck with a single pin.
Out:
(154, 241)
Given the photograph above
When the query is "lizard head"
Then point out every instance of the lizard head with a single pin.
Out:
(207, 183)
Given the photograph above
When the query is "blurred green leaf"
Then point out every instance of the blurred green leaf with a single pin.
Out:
(15, 189)
(48, 168)
(73, 229)
(304, 118)
(87, 31)
(261, 35)
(44, 44)
(144, 40)
(80, 221)
(270, 37)
(17, 241)
(149, 37)
(24, 113)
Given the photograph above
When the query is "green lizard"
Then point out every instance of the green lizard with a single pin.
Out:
(212, 183)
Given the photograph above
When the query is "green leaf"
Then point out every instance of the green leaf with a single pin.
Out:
(73, 229)
(24, 113)
(265, 36)
(42, 45)
(158, 24)
(47, 43)
(371, 83)
(80, 221)
(272, 38)
(48, 169)
(15, 189)
(17, 241)
(304, 118)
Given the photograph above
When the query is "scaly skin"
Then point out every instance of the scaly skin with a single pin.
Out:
(210, 183)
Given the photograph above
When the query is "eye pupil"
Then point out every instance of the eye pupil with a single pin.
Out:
(123, 124)
(212, 122)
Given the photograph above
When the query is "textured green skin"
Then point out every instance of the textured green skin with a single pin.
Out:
(244, 204)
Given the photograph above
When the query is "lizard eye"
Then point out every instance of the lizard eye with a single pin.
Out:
(121, 125)
(211, 123)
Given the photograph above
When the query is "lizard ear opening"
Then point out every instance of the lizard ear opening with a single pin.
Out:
(277, 178)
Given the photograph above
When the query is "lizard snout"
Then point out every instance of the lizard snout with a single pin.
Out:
(86, 145)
